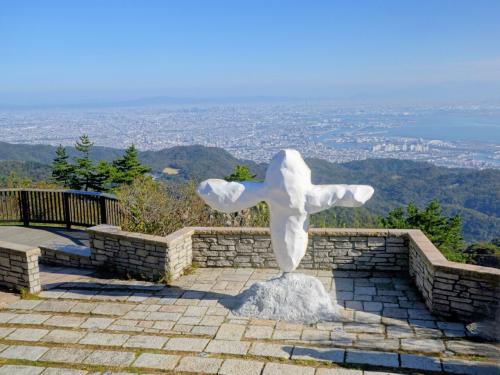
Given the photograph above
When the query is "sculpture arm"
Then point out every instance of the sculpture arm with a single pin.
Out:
(230, 196)
(321, 197)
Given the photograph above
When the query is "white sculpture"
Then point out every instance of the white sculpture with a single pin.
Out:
(291, 197)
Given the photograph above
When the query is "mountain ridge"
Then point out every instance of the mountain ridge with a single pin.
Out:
(474, 194)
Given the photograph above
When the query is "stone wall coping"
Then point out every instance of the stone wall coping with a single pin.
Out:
(118, 233)
(437, 260)
(372, 232)
(28, 250)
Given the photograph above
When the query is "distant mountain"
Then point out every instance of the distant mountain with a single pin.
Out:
(474, 194)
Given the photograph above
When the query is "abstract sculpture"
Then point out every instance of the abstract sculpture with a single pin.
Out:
(291, 197)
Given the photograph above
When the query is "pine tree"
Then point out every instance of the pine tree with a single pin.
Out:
(443, 231)
(240, 173)
(88, 175)
(83, 165)
(128, 167)
(61, 169)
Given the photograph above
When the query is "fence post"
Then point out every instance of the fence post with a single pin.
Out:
(67, 218)
(25, 207)
(102, 205)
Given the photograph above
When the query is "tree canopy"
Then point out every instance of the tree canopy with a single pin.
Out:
(82, 173)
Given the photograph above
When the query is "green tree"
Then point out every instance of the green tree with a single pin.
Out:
(444, 232)
(87, 174)
(62, 170)
(128, 167)
(254, 216)
(240, 173)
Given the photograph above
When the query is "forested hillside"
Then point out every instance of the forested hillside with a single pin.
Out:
(473, 194)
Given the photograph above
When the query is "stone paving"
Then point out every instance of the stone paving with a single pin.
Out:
(87, 325)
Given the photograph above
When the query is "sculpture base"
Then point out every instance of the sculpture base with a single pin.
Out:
(292, 297)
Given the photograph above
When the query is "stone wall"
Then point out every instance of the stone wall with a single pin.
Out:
(455, 290)
(19, 267)
(140, 255)
(342, 249)
(68, 256)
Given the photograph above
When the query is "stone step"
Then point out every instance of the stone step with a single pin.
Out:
(212, 355)
(66, 255)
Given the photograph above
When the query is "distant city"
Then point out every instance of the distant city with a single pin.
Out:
(449, 136)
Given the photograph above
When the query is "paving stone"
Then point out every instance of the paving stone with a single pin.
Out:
(372, 306)
(204, 330)
(470, 367)
(63, 336)
(367, 291)
(228, 347)
(64, 371)
(399, 332)
(419, 362)
(55, 306)
(112, 309)
(27, 334)
(157, 361)
(364, 328)
(241, 367)
(20, 370)
(83, 307)
(5, 331)
(141, 341)
(381, 343)
(5, 316)
(366, 317)
(280, 368)
(24, 304)
(70, 355)
(259, 332)
(343, 284)
(199, 365)
(230, 332)
(354, 305)
(394, 312)
(104, 339)
(211, 320)
(281, 334)
(423, 345)
(338, 371)
(110, 358)
(159, 315)
(451, 326)
(64, 321)
(30, 353)
(474, 348)
(271, 350)
(29, 319)
(372, 358)
(186, 344)
(97, 323)
(318, 354)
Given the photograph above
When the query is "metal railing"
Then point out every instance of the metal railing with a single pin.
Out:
(69, 207)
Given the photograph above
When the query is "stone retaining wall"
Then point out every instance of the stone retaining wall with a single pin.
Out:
(461, 291)
(342, 249)
(19, 267)
(449, 289)
(68, 256)
(140, 255)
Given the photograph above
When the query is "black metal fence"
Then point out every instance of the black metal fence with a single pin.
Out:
(69, 207)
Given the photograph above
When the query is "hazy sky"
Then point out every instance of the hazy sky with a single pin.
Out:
(104, 49)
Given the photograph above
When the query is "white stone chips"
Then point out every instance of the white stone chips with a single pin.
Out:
(292, 297)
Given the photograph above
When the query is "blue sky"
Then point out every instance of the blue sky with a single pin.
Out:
(83, 50)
